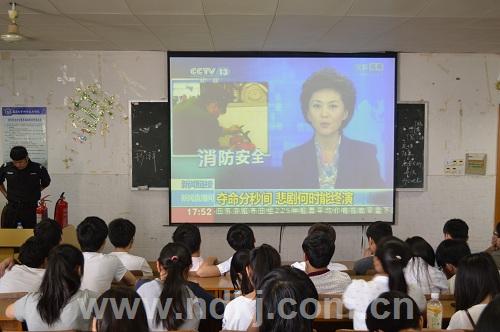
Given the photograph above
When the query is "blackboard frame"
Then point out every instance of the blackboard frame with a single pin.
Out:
(425, 104)
(130, 102)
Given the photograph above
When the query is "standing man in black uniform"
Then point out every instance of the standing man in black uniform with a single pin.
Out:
(25, 181)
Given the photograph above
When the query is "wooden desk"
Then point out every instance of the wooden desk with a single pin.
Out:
(7, 323)
(215, 285)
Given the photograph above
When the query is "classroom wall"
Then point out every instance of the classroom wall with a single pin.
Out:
(463, 117)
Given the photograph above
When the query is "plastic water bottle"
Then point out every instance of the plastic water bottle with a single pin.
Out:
(434, 312)
(19, 225)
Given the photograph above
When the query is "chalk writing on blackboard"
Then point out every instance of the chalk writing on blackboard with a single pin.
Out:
(410, 146)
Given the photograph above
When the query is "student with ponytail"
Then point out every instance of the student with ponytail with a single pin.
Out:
(171, 290)
(57, 304)
(391, 257)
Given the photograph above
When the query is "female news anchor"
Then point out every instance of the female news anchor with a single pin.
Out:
(329, 159)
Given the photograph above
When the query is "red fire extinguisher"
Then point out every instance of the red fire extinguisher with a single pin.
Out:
(41, 209)
(61, 211)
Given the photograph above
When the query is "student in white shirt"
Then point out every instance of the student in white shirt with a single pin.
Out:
(288, 285)
(318, 251)
(56, 305)
(121, 236)
(448, 254)
(239, 277)
(420, 269)
(171, 291)
(477, 283)
(389, 261)
(330, 231)
(394, 311)
(27, 276)
(488, 321)
(189, 235)
(240, 312)
(239, 236)
(100, 270)
(107, 320)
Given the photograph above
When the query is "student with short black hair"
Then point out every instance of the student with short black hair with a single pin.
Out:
(328, 229)
(393, 311)
(240, 311)
(239, 236)
(488, 321)
(374, 233)
(49, 232)
(100, 269)
(282, 285)
(121, 236)
(105, 320)
(26, 276)
(477, 283)
(421, 270)
(390, 260)
(456, 229)
(57, 303)
(189, 235)
(183, 310)
(448, 255)
(318, 251)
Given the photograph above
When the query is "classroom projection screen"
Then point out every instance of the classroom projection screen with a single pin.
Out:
(281, 138)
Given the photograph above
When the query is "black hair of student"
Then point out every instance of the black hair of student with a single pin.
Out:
(451, 252)
(394, 255)
(421, 248)
(282, 283)
(262, 260)
(121, 232)
(49, 232)
(488, 321)
(92, 233)
(457, 228)
(378, 230)
(188, 235)
(325, 228)
(175, 258)
(319, 249)
(240, 236)
(18, 153)
(239, 262)
(108, 322)
(399, 312)
(329, 78)
(62, 279)
(33, 253)
(477, 277)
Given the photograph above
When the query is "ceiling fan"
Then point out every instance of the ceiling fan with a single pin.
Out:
(12, 34)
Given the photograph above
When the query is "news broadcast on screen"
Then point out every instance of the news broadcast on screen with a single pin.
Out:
(270, 138)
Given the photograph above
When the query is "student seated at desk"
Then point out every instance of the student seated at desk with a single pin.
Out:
(27, 276)
(47, 231)
(456, 229)
(488, 321)
(421, 270)
(374, 233)
(189, 235)
(184, 310)
(240, 311)
(280, 286)
(56, 304)
(239, 276)
(390, 259)
(99, 269)
(239, 236)
(477, 283)
(318, 251)
(494, 248)
(393, 311)
(330, 231)
(121, 235)
(448, 254)
(107, 321)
